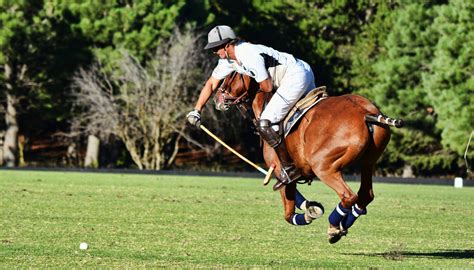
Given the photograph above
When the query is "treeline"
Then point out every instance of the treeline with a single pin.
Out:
(112, 80)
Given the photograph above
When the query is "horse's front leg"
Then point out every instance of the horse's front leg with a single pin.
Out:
(292, 199)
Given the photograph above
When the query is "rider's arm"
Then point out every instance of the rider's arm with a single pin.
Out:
(222, 69)
(209, 87)
(266, 85)
(253, 59)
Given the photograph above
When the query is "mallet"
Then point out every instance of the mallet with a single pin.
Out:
(268, 174)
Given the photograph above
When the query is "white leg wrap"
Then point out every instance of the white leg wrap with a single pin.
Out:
(340, 211)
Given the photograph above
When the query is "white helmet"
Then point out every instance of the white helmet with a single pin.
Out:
(218, 36)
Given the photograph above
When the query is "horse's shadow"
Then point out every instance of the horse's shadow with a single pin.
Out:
(440, 254)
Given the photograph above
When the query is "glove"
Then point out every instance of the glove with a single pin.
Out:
(194, 118)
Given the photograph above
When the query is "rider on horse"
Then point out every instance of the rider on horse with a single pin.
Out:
(291, 77)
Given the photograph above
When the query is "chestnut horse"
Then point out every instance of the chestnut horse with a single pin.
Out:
(336, 132)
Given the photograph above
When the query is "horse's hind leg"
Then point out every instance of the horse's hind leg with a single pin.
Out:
(365, 196)
(348, 198)
(381, 137)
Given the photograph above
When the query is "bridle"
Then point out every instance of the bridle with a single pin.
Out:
(229, 99)
(242, 102)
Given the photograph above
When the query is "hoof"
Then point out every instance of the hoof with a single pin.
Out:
(314, 209)
(335, 234)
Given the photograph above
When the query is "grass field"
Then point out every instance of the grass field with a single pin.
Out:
(151, 221)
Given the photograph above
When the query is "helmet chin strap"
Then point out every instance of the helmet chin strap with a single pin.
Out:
(226, 54)
(225, 51)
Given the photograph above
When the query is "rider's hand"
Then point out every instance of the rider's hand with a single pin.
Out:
(194, 118)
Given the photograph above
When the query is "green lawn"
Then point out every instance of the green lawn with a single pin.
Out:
(138, 221)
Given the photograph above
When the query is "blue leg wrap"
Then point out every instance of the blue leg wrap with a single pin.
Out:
(338, 214)
(298, 219)
(352, 216)
(299, 200)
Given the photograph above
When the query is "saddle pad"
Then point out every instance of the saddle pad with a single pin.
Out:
(302, 106)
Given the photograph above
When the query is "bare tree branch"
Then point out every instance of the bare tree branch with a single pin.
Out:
(143, 105)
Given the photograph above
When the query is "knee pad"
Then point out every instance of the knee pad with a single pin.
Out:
(264, 128)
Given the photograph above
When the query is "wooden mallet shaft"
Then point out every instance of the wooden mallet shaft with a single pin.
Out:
(260, 169)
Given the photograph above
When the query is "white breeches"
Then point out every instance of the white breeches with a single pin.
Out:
(298, 81)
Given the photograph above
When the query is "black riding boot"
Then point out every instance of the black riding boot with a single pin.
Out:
(289, 173)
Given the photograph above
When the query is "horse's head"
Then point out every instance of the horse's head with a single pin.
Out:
(236, 88)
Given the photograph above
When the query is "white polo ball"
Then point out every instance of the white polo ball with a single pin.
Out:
(83, 246)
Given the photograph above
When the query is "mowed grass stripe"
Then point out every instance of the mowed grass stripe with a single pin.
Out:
(135, 221)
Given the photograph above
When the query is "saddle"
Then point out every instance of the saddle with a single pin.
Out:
(302, 106)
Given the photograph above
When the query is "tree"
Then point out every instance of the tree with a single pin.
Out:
(369, 46)
(135, 26)
(37, 55)
(143, 105)
(399, 92)
(14, 30)
(449, 82)
(395, 71)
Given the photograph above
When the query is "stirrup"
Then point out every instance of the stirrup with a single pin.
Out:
(278, 185)
(289, 174)
(286, 178)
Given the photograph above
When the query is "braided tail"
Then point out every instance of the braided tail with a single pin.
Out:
(384, 120)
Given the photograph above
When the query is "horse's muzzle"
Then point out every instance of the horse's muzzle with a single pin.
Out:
(222, 106)
(221, 103)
